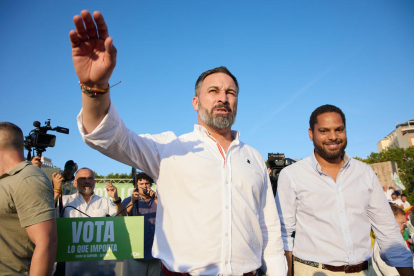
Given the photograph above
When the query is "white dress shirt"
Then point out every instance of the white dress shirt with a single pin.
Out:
(332, 219)
(97, 206)
(216, 213)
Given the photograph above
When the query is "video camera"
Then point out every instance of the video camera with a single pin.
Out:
(277, 162)
(39, 140)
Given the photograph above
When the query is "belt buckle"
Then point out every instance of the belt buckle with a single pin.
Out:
(345, 267)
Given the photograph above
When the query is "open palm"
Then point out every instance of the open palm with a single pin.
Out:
(93, 54)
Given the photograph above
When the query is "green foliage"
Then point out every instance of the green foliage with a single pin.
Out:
(117, 175)
(405, 161)
(114, 176)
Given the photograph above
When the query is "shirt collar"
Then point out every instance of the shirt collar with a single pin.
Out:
(16, 169)
(204, 132)
(317, 167)
(80, 197)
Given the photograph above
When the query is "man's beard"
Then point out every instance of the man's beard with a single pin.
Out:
(331, 155)
(219, 121)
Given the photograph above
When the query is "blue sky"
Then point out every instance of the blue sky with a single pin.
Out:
(289, 57)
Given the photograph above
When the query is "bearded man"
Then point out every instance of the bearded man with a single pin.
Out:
(332, 201)
(216, 214)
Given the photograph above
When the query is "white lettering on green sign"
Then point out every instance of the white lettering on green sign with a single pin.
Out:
(88, 231)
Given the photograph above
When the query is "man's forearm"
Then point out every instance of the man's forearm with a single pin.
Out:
(94, 110)
(119, 208)
(56, 196)
(289, 260)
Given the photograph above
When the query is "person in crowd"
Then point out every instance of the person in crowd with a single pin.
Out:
(143, 202)
(28, 238)
(37, 161)
(396, 200)
(380, 267)
(387, 194)
(406, 204)
(216, 214)
(84, 203)
(390, 192)
(85, 199)
(332, 201)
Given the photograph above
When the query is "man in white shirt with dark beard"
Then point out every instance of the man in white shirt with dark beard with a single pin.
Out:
(216, 213)
(332, 201)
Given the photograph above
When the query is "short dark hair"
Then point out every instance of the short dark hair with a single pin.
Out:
(322, 110)
(11, 136)
(204, 75)
(403, 195)
(397, 193)
(396, 210)
(142, 175)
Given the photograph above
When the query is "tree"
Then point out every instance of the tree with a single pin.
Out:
(405, 161)
(117, 175)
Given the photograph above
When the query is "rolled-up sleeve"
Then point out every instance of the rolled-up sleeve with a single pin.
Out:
(113, 139)
(273, 258)
(393, 249)
(286, 207)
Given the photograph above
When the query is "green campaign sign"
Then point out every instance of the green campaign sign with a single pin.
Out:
(106, 238)
(124, 190)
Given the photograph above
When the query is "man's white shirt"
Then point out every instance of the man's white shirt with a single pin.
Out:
(216, 212)
(332, 219)
(97, 206)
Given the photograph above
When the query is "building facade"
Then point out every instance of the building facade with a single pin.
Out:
(401, 137)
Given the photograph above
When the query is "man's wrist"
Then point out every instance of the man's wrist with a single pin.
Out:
(117, 200)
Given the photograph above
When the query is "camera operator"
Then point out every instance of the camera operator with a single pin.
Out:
(143, 202)
(37, 161)
(28, 226)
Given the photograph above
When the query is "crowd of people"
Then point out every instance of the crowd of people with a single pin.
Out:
(215, 210)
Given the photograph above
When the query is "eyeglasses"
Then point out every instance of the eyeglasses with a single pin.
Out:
(85, 178)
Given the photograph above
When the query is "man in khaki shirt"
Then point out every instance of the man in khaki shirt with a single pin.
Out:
(28, 236)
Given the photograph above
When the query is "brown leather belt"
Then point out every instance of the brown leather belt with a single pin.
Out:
(348, 268)
(342, 268)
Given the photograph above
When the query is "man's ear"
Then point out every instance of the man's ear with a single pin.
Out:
(195, 103)
(75, 183)
(310, 132)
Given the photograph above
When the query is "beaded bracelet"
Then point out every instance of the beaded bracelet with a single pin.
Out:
(57, 191)
(94, 92)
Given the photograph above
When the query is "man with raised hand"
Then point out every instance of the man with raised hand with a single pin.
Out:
(331, 202)
(216, 214)
(85, 201)
(28, 239)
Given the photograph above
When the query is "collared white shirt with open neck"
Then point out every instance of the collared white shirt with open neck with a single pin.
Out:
(216, 213)
(333, 219)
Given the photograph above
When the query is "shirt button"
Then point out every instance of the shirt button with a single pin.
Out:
(340, 211)
(350, 252)
(227, 234)
(227, 207)
(227, 182)
(338, 193)
(227, 262)
(346, 231)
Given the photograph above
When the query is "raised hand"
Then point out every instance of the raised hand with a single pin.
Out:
(112, 191)
(37, 161)
(57, 180)
(93, 52)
